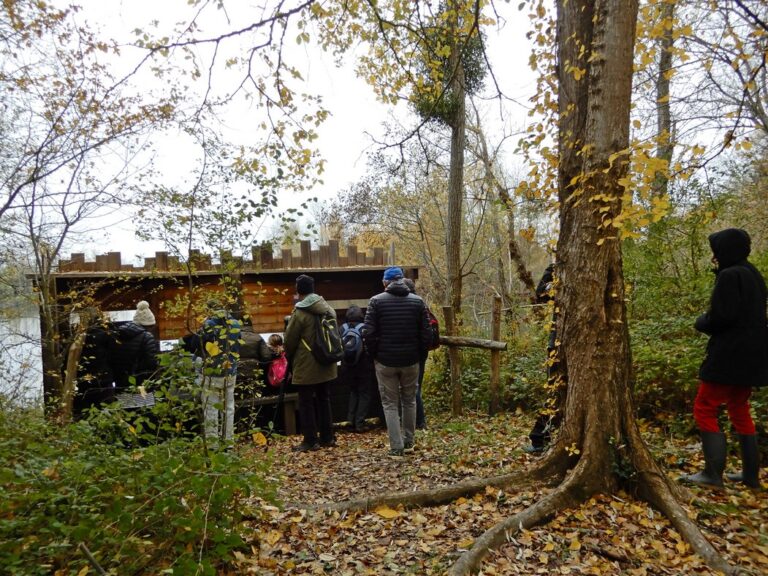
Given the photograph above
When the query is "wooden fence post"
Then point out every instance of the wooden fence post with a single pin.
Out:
(453, 360)
(493, 405)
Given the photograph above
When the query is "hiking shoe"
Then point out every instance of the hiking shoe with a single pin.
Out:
(306, 447)
(329, 444)
(533, 449)
(408, 448)
(396, 453)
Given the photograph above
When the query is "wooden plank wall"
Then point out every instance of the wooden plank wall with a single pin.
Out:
(262, 258)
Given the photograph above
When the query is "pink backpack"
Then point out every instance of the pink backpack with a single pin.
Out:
(278, 371)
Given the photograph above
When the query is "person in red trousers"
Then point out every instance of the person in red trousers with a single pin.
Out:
(736, 358)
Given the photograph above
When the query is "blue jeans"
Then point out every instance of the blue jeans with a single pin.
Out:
(397, 386)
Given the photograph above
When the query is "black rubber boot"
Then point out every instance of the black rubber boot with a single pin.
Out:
(714, 446)
(750, 462)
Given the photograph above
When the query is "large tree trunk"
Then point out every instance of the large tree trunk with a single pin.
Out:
(599, 434)
(457, 93)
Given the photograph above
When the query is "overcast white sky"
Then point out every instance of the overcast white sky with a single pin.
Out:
(354, 111)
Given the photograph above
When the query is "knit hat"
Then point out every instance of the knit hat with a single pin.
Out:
(143, 314)
(305, 285)
(392, 273)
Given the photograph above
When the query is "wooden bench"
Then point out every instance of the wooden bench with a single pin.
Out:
(290, 405)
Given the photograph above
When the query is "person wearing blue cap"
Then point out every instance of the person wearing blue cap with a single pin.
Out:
(397, 334)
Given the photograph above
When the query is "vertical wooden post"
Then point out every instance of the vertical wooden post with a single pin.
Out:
(113, 261)
(306, 254)
(287, 257)
(333, 253)
(453, 359)
(493, 404)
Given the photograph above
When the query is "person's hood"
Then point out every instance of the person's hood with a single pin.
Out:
(730, 246)
(128, 330)
(313, 303)
(398, 288)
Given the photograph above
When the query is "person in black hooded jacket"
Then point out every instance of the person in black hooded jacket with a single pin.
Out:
(132, 352)
(736, 359)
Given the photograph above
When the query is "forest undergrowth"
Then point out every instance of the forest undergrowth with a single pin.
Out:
(615, 535)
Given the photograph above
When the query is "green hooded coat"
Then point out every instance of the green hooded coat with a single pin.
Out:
(298, 339)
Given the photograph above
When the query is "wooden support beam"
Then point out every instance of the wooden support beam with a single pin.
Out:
(453, 360)
(494, 403)
(469, 342)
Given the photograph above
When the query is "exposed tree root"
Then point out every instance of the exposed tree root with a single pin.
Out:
(564, 496)
(550, 469)
(658, 492)
(427, 497)
(656, 489)
(573, 488)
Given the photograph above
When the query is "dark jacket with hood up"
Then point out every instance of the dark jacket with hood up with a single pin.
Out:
(397, 332)
(132, 352)
(737, 351)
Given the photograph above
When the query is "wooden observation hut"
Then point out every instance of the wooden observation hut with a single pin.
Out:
(264, 286)
(266, 282)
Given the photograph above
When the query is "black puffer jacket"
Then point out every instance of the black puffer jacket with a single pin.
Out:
(397, 330)
(132, 352)
(94, 372)
(737, 351)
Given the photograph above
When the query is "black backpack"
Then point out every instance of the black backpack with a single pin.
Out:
(327, 347)
(352, 340)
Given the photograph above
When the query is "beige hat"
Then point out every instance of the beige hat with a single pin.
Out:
(143, 314)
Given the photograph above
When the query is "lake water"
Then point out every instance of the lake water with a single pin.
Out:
(21, 365)
(21, 368)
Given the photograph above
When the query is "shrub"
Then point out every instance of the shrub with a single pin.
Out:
(138, 492)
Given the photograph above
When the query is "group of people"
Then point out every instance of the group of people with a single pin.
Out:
(396, 337)
(115, 356)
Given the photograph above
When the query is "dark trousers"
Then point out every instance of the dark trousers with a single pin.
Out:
(421, 419)
(361, 380)
(548, 420)
(315, 412)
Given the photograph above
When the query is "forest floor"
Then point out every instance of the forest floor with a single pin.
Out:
(612, 535)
